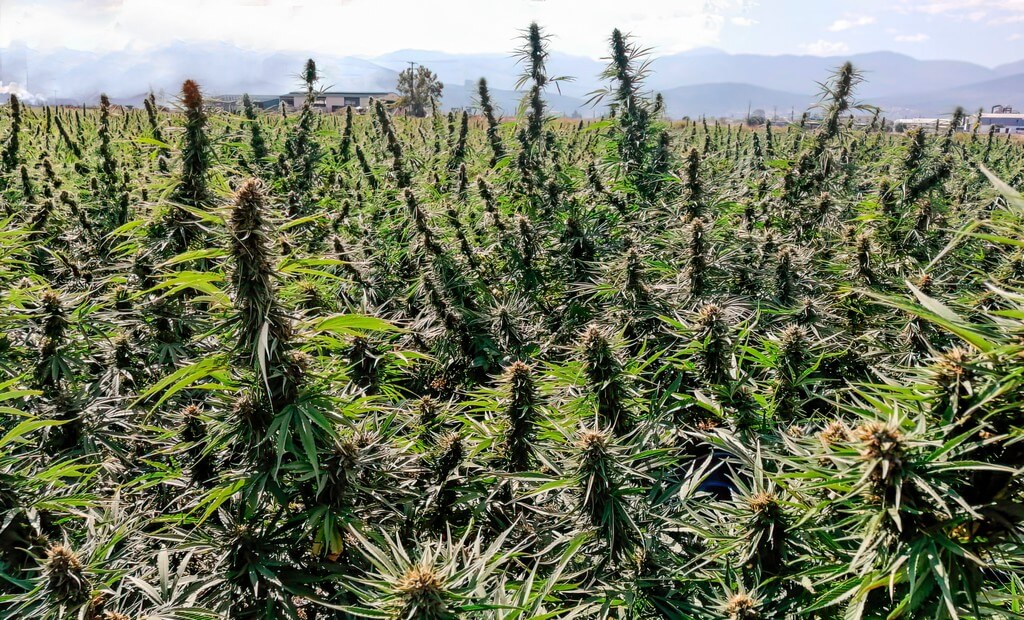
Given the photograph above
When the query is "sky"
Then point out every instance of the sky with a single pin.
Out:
(988, 32)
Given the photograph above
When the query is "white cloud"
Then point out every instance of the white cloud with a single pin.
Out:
(743, 21)
(972, 9)
(822, 47)
(363, 27)
(1015, 37)
(912, 38)
(853, 22)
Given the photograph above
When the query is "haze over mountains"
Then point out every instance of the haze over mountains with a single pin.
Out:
(697, 82)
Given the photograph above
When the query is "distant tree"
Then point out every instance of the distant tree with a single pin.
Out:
(417, 88)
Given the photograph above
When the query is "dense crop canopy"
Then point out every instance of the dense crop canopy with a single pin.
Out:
(306, 365)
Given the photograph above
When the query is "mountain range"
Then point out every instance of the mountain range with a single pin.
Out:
(703, 81)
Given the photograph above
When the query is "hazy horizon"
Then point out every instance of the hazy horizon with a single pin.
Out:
(71, 50)
(985, 32)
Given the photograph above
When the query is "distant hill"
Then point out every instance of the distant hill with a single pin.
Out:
(731, 99)
(506, 102)
(1008, 90)
(704, 81)
(1012, 68)
(501, 70)
(886, 73)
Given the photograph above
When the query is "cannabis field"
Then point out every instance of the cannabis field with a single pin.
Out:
(296, 365)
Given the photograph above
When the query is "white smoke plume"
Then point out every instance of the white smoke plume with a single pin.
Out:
(26, 97)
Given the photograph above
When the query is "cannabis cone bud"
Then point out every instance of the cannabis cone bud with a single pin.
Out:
(192, 415)
(597, 476)
(246, 408)
(191, 97)
(364, 363)
(925, 282)
(520, 413)
(196, 159)
(882, 448)
(310, 296)
(594, 444)
(767, 533)
(298, 365)
(712, 337)
(635, 273)
(253, 274)
(742, 607)
(247, 214)
(785, 274)
(604, 378)
(420, 581)
(309, 74)
(692, 181)
(341, 468)
(809, 313)
(696, 269)
(65, 575)
(952, 366)
(422, 591)
(793, 346)
(518, 373)
(493, 135)
(835, 432)
(764, 504)
(450, 454)
(54, 323)
(709, 315)
(789, 366)
(880, 441)
(428, 411)
(346, 454)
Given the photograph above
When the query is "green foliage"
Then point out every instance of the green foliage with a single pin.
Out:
(373, 365)
(419, 89)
